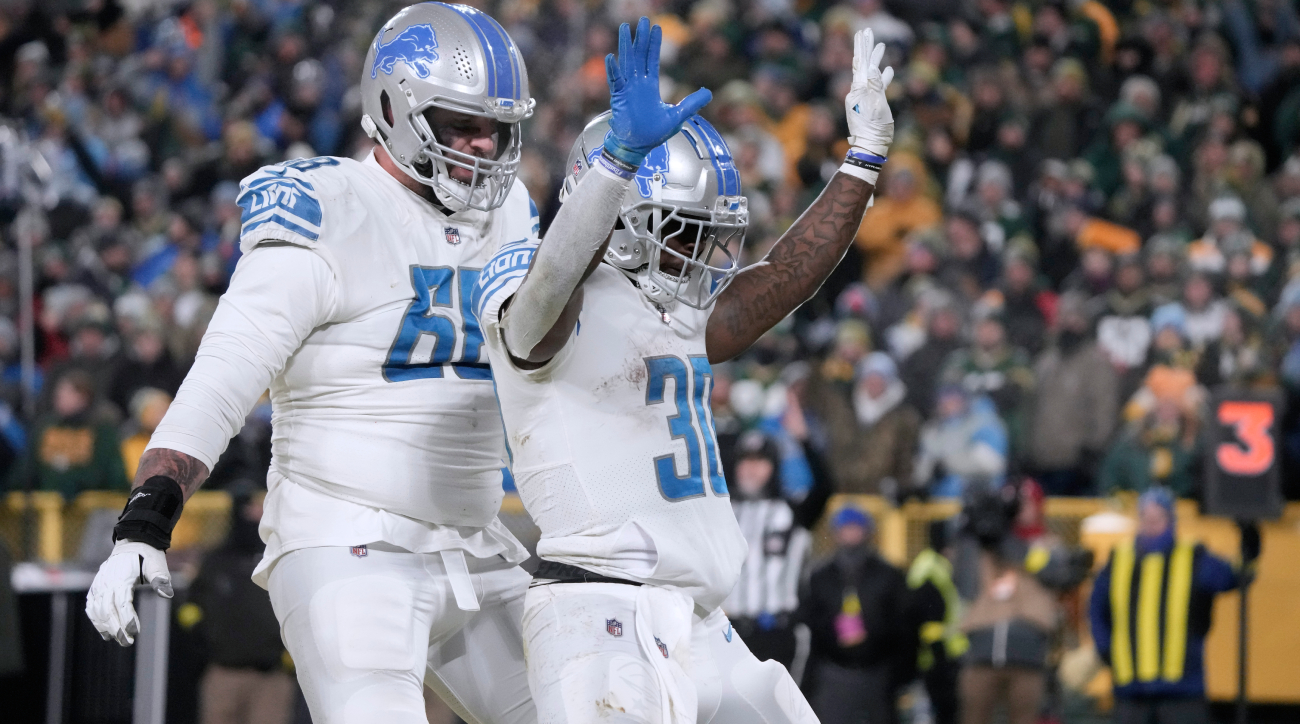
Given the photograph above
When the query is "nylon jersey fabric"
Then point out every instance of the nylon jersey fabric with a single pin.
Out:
(612, 441)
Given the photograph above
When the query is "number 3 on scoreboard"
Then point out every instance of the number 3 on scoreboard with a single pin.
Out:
(1254, 452)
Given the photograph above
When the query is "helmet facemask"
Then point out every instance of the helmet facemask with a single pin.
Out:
(433, 160)
(700, 248)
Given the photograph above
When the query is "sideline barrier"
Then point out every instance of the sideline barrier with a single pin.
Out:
(1096, 523)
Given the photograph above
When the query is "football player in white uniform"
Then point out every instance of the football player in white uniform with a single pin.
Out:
(603, 374)
(385, 561)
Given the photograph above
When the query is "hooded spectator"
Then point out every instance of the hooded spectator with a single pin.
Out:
(856, 607)
(964, 447)
(872, 434)
(1075, 407)
(70, 452)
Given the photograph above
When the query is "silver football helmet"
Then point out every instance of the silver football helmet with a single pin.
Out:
(686, 194)
(453, 57)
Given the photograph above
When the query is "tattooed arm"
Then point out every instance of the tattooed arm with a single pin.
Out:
(763, 294)
(805, 255)
(188, 471)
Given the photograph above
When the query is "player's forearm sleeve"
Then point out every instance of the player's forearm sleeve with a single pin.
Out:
(277, 296)
(576, 235)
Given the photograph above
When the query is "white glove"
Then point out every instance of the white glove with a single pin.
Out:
(871, 123)
(110, 601)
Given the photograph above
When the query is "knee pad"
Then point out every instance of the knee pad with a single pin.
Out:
(389, 702)
(762, 691)
(608, 689)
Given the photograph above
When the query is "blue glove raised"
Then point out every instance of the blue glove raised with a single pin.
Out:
(641, 120)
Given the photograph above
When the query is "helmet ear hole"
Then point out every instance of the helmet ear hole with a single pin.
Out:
(386, 107)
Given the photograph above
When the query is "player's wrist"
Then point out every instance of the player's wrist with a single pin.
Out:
(863, 164)
(616, 165)
(151, 513)
(623, 154)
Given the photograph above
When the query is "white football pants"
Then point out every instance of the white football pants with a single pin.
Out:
(367, 632)
(611, 653)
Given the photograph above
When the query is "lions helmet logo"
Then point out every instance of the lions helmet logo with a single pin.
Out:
(416, 46)
(655, 163)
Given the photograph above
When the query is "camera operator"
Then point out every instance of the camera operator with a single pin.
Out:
(1015, 618)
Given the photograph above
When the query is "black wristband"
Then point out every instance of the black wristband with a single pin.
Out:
(860, 163)
(618, 166)
(151, 512)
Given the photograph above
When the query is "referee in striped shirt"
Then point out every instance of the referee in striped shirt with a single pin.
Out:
(763, 603)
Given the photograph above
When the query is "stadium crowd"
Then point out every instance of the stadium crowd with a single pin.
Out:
(1090, 219)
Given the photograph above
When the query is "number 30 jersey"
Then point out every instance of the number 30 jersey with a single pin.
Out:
(612, 441)
(352, 305)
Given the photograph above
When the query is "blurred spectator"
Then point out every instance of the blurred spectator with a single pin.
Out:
(1014, 617)
(1123, 331)
(1227, 231)
(938, 609)
(1203, 314)
(763, 605)
(147, 363)
(1075, 408)
(1158, 449)
(872, 431)
(922, 368)
(71, 451)
(964, 447)
(148, 405)
(900, 210)
(856, 608)
(1025, 299)
(993, 368)
(1158, 677)
(246, 681)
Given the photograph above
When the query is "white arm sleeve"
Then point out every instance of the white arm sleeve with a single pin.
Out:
(577, 233)
(278, 295)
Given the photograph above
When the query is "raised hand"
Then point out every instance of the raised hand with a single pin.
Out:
(641, 120)
(871, 123)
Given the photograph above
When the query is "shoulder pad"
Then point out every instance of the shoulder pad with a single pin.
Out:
(283, 202)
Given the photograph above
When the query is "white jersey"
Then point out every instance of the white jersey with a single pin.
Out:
(612, 442)
(352, 304)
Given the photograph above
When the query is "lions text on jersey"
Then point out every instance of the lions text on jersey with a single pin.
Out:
(612, 441)
(352, 304)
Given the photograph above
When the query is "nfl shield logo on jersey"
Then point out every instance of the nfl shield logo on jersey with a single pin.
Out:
(453, 235)
(663, 647)
(360, 551)
(614, 626)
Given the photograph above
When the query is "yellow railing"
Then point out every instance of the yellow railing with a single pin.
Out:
(57, 529)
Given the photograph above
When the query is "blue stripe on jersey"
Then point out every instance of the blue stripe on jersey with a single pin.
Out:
(510, 262)
(536, 218)
(728, 175)
(274, 198)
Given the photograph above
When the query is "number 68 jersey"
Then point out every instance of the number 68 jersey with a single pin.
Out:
(352, 305)
(612, 442)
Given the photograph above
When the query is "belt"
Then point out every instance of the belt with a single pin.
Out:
(551, 572)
